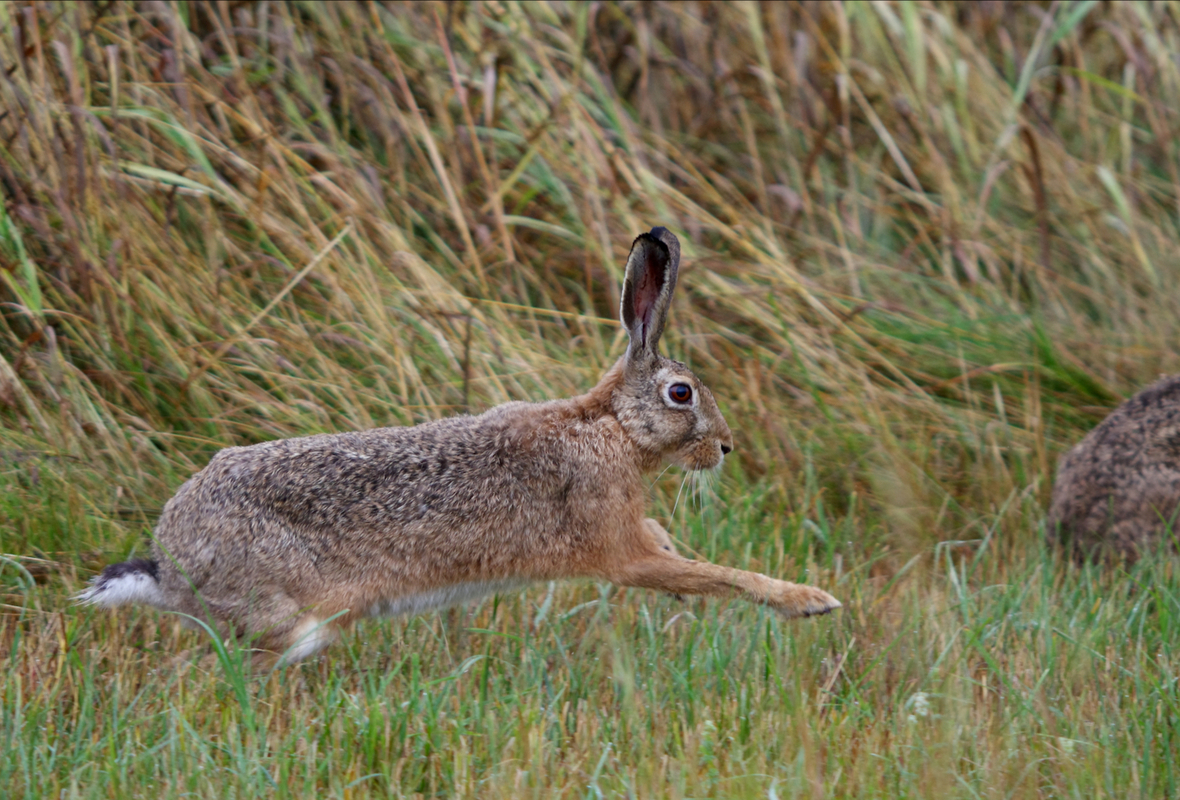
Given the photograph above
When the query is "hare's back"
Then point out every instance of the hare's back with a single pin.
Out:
(1118, 486)
(1143, 431)
(351, 480)
(473, 494)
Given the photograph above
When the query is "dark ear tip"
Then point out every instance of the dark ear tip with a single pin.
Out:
(664, 236)
(661, 237)
(652, 238)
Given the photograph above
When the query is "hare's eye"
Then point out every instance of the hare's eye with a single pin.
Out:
(680, 393)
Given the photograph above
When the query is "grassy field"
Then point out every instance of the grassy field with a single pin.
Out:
(926, 247)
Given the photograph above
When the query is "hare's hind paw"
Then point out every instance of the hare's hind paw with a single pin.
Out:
(797, 600)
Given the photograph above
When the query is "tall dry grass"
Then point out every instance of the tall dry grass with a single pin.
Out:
(926, 246)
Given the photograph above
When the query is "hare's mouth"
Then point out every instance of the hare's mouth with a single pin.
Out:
(701, 462)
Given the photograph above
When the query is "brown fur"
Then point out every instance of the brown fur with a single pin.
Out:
(1118, 490)
(287, 541)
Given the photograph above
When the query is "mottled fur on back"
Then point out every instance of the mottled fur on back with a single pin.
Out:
(1118, 490)
(466, 499)
(287, 541)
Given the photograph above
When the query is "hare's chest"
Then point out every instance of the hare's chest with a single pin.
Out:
(443, 597)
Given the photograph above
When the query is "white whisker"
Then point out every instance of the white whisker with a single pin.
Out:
(678, 491)
(657, 480)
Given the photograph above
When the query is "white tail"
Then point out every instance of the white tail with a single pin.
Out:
(120, 584)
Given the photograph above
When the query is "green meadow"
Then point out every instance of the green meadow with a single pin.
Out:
(927, 246)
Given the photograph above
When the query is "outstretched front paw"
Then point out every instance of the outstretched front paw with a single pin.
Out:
(797, 600)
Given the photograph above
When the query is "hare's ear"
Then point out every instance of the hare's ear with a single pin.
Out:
(647, 290)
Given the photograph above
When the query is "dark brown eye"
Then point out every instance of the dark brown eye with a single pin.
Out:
(680, 393)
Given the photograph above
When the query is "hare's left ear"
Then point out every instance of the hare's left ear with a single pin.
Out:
(647, 290)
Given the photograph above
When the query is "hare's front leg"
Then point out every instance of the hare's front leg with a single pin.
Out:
(661, 569)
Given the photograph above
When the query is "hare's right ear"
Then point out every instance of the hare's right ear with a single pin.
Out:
(647, 291)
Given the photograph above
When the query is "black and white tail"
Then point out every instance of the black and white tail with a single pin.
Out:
(134, 581)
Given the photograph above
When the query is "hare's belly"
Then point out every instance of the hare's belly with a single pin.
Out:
(443, 597)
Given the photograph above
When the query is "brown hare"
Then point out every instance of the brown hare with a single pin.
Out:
(285, 542)
(1118, 490)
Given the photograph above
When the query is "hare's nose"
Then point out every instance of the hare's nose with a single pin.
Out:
(726, 449)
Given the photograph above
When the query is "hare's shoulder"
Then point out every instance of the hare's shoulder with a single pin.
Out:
(1159, 402)
(1142, 433)
(1148, 420)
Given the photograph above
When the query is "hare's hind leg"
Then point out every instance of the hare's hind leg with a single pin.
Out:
(282, 631)
(667, 572)
(309, 635)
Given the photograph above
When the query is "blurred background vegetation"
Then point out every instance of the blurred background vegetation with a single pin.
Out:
(926, 247)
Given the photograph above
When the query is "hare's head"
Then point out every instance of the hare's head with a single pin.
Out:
(662, 406)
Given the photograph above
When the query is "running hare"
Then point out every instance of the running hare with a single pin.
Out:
(1118, 490)
(287, 541)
